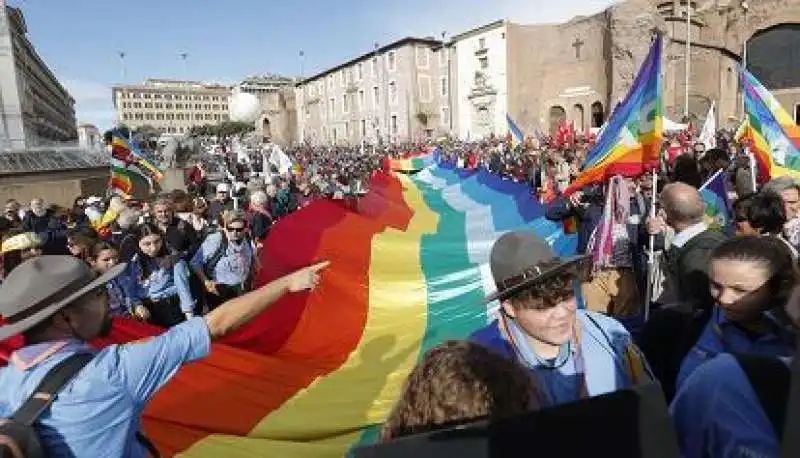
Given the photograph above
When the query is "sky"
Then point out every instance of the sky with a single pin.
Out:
(80, 40)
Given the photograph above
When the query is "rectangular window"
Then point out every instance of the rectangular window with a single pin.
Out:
(375, 97)
(346, 129)
(445, 116)
(332, 107)
(361, 104)
(443, 89)
(422, 57)
(481, 43)
(443, 57)
(391, 63)
(360, 71)
(392, 92)
(341, 78)
(484, 62)
(345, 105)
(363, 128)
(374, 67)
(424, 88)
(394, 124)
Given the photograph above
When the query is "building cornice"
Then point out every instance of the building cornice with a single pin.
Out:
(478, 30)
(394, 45)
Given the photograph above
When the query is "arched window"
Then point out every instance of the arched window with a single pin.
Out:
(598, 116)
(773, 58)
(557, 116)
(577, 116)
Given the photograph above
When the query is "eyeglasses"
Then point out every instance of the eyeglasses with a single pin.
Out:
(235, 229)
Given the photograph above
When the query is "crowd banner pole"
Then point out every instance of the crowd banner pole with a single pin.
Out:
(652, 252)
(753, 171)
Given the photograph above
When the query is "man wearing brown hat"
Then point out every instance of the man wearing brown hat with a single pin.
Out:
(58, 305)
(573, 353)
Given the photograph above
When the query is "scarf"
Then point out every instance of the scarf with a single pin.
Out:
(615, 213)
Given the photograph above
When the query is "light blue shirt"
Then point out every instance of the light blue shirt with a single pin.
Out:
(722, 336)
(606, 352)
(98, 412)
(160, 284)
(233, 267)
(717, 414)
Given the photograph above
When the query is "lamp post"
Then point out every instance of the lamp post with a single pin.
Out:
(688, 58)
(745, 7)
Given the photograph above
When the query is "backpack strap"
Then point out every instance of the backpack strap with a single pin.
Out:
(209, 266)
(769, 378)
(45, 394)
(791, 442)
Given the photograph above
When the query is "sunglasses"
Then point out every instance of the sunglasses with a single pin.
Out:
(235, 229)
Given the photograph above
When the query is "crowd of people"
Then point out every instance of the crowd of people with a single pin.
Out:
(568, 328)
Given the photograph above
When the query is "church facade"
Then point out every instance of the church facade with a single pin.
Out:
(576, 72)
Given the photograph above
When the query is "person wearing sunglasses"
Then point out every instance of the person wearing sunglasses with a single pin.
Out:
(225, 260)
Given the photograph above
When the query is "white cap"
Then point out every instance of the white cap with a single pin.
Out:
(91, 200)
(223, 187)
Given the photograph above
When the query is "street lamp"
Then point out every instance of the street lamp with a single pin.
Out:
(745, 8)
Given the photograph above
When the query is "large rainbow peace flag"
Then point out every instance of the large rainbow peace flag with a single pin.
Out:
(773, 136)
(315, 375)
(414, 162)
(631, 141)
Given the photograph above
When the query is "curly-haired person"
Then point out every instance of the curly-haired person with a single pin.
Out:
(460, 381)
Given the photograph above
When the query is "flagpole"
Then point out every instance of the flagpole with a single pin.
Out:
(709, 180)
(652, 252)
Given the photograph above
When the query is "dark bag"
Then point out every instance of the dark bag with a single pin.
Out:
(770, 379)
(624, 424)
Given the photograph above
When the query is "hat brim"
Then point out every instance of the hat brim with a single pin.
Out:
(10, 330)
(564, 264)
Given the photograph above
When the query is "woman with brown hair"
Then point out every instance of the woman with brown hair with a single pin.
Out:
(460, 381)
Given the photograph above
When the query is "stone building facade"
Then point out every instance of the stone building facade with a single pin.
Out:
(393, 93)
(578, 71)
(171, 106)
(35, 109)
(277, 121)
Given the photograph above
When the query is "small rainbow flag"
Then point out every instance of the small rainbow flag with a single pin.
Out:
(317, 374)
(771, 134)
(124, 151)
(718, 210)
(631, 142)
(517, 138)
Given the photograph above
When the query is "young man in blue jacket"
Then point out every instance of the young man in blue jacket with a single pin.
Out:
(573, 353)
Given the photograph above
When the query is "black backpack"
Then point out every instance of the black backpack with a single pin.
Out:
(18, 436)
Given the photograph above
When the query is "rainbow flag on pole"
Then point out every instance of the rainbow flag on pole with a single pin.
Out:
(772, 135)
(631, 142)
(318, 373)
(517, 138)
(718, 211)
(127, 153)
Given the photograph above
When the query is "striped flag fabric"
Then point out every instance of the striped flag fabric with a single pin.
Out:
(316, 374)
(718, 210)
(517, 137)
(769, 131)
(631, 142)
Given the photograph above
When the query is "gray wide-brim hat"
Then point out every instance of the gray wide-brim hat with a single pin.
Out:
(41, 286)
(520, 259)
